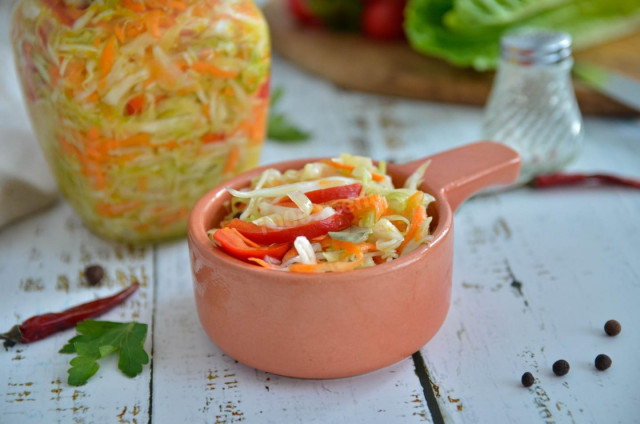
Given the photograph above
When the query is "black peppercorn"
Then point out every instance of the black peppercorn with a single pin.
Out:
(528, 379)
(612, 327)
(603, 362)
(560, 367)
(94, 274)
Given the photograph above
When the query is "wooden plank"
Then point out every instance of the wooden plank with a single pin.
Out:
(41, 262)
(393, 68)
(536, 276)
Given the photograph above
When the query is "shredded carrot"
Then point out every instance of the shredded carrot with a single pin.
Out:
(419, 216)
(54, 75)
(260, 112)
(232, 160)
(249, 243)
(152, 21)
(213, 137)
(137, 140)
(67, 15)
(214, 71)
(173, 144)
(116, 209)
(74, 72)
(174, 217)
(135, 105)
(119, 33)
(107, 59)
(206, 110)
(161, 74)
(415, 200)
(141, 227)
(359, 206)
(142, 183)
(293, 252)
(177, 5)
(263, 263)
(134, 29)
(206, 54)
(348, 247)
(326, 267)
(133, 5)
(92, 98)
(338, 165)
(98, 181)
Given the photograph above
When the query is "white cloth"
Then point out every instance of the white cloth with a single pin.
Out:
(26, 184)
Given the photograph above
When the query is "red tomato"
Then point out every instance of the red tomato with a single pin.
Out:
(383, 19)
(266, 235)
(302, 12)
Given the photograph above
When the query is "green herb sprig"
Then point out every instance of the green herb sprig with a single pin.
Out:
(98, 339)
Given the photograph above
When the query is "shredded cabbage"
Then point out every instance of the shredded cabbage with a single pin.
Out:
(382, 222)
(142, 106)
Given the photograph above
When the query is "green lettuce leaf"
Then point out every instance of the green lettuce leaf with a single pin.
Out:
(467, 33)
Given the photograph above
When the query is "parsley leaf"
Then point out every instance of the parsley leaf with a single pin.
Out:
(279, 127)
(98, 339)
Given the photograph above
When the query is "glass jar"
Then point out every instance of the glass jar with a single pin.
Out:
(532, 107)
(141, 106)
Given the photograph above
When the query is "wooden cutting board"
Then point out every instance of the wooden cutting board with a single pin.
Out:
(392, 68)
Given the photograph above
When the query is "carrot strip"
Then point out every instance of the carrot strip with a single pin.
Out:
(74, 73)
(116, 209)
(232, 160)
(374, 176)
(142, 183)
(214, 71)
(134, 29)
(359, 206)
(213, 137)
(419, 216)
(119, 33)
(173, 217)
(291, 253)
(135, 105)
(348, 247)
(326, 267)
(107, 59)
(250, 243)
(133, 5)
(137, 140)
(263, 263)
(54, 75)
(257, 130)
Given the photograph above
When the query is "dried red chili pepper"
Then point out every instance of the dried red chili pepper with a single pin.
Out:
(553, 180)
(41, 326)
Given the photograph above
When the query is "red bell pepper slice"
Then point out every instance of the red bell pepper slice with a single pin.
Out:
(266, 235)
(333, 193)
(232, 242)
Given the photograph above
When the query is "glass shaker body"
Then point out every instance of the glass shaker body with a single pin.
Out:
(532, 108)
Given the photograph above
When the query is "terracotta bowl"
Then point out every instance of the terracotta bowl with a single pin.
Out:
(339, 324)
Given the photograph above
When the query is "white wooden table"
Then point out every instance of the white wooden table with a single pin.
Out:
(536, 275)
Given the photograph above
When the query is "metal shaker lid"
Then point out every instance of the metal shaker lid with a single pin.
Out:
(535, 47)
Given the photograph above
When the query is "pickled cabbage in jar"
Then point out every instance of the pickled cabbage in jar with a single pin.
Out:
(141, 106)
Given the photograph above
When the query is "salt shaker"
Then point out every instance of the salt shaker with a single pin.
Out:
(532, 107)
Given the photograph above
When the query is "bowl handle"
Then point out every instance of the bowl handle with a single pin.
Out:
(465, 170)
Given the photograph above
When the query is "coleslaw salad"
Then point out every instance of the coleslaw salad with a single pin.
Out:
(338, 214)
(141, 106)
